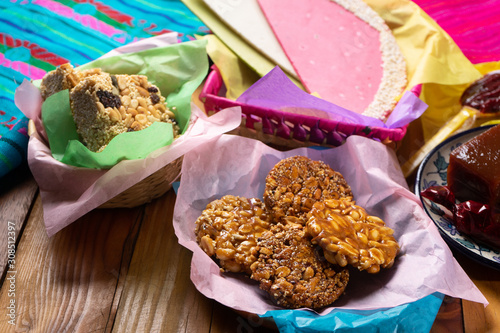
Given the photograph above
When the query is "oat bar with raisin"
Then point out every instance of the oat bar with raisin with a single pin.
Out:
(63, 77)
(106, 105)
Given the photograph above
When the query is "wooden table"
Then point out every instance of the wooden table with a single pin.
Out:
(122, 270)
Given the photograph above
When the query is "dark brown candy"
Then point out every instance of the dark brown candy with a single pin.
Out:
(484, 94)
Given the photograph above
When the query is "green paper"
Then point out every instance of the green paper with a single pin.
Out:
(177, 70)
(58, 122)
(126, 146)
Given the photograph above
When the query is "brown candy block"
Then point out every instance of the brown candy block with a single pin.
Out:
(473, 170)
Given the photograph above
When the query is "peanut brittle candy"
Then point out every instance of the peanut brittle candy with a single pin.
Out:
(293, 273)
(228, 230)
(296, 183)
(348, 235)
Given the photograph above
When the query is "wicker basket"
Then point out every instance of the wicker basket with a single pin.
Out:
(151, 187)
(148, 189)
(285, 129)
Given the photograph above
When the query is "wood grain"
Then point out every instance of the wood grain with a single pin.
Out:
(449, 318)
(68, 283)
(226, 320)
(16, 199)
(158, 295)
(477, 318)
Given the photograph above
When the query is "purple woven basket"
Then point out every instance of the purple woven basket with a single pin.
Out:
(306, 130)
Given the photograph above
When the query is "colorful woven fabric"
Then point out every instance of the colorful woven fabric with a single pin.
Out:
(37, 36)
(474, 25)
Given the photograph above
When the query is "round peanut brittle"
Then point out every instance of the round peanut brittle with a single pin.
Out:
(228, 230)
(296, 183)
(292, 272)
(348, 235)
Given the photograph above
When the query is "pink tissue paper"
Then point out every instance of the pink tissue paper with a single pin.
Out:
(238, 166)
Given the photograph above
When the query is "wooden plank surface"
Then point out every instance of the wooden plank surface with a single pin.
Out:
(68, 283)
(158, 295)
(17, 192)
(123, 270)
(477, 318)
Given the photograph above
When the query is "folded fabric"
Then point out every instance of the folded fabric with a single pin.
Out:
(472, 24)
(38, 36)
(13, 147)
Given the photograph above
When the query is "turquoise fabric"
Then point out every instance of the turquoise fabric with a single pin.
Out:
(416, 317)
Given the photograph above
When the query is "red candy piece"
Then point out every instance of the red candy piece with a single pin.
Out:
(470, 217)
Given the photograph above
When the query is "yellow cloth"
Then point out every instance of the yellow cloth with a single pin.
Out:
(229, 63)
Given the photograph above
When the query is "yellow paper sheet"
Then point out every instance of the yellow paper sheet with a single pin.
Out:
(431, 54)
(229, 63)
(436, 62)
(445, 117)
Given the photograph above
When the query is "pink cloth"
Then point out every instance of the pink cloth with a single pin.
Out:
(474, 25)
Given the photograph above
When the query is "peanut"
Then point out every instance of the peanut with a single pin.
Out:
(126, 100)
(207, 245)
(134, 103)
(114, 116)
(100, 107)
(225, 254)
(308, 273)
(136, 126)
(142, 110)
(349, 235)
(142, 91)
(132, 112)
(142, 102)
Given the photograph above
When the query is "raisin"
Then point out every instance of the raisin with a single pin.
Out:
(153, 89)
(108, 99)
(154, 98)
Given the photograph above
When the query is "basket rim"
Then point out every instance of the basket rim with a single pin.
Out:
(210, 98)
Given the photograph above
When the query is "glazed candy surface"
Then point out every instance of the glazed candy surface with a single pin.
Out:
(473, 172)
